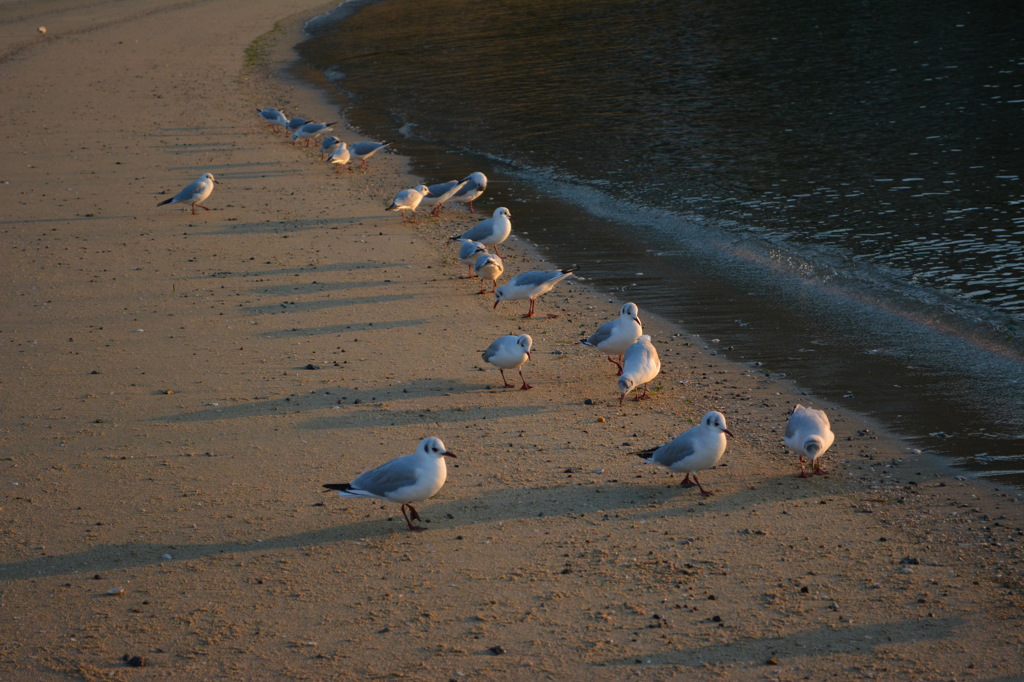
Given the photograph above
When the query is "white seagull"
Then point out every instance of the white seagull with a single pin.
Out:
(408, 200)
(510, 352)
(695, 450)
(615, 336)
(310, 130)
(273, 117)
(366, 149)
(339, 156)
(530, 285)
(476, 183)
(492, 231)
(489, 267)
(808, 433)
(469, 251)
(194, 193)
(641, 365)
(441, 193)
(406, 479)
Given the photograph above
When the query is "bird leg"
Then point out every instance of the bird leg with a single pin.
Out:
(469, 275)
(472, 211)
(533, 302)
(817, 468)
(803, 474)
(507, 385)
(414, 515)
(525, 386)
(495, 247)
(437, 210)
(640, 397)
(705, 493)
(363, 164)
(686, 482)
(617, 363)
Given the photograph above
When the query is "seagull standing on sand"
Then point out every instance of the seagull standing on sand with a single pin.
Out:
(510, 352)
(615, 336)
(273, 117)
(492, 231)
(408, 200)
(530, 285)
(641, 365)
(809, 434)
(194, 193)
(476, 183)
(327, 144)
(309, 131)
(339, 156)
(468, 254)
(366, 149)
(406, 479)
(695, 450)
(489, 267)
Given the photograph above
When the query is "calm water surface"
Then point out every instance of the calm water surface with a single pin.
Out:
(829, 189)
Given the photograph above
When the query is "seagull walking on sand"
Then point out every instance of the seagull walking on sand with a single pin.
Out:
(640, 367)
(273, 117)
(615, 336)
(365, 149)
(489, 268)
(510, 352)
(408, 200)
(695, 450)
(530, 285)
(406, 479)
(310, 131)
(195, 193)
(492, 231)
(809, 434)
(469, 251)
(339, 156)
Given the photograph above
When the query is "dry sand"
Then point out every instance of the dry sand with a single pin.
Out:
(164, 438)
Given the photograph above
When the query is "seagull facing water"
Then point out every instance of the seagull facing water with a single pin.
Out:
(195, 193)
(809, 434)
(365, 149)
(510, 352)
(408, 200)
(406, 479)
(530, 285)
(489, 267)
(642, 364)
(310, 130)
(695, 450)
(615, 336)
(492, 231)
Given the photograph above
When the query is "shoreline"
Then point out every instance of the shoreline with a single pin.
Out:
(175, 442)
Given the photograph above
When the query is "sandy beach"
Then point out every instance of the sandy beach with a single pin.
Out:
(178, 387)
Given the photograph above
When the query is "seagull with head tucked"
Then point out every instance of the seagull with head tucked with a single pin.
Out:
(640, 367)
(809, 434)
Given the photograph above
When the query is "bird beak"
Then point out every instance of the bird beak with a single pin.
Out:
(216, 182)
(449, 454)
(637, 320)
(528, 356)
(727, 432)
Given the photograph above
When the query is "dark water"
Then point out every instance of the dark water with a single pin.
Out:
(830, 189)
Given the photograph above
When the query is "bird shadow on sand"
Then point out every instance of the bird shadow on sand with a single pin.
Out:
(285, 226)
(308, 270)
(342, 328)
(317, 287)
(828, 640)
(312, 306)
(447, 516)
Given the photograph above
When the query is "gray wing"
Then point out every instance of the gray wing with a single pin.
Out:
(364, 148)
(388, 477)
(674, 451)
(601, 335)
(534, 278)
(492, 350)
(190, 191)
(442, 187)
(478, 232)
(468, 248)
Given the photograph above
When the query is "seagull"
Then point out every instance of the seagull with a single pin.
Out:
(408, 200)
(492, 231)
(310, 130)
(295, 123)
(406, 479)
(615, 336)
(469, 252)
(366, 149)
(510, 352)
(195, 193)
(640, 367)
(808, 433)
(273, 116)
(441, 193)
(695, 450)
(530, 285)
(488, 267)
(328, 143)
(339, 156)
(476, 183)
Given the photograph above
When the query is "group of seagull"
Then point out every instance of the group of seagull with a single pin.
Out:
(420, 475)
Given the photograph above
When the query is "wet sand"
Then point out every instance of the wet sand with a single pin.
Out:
(178, 387)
